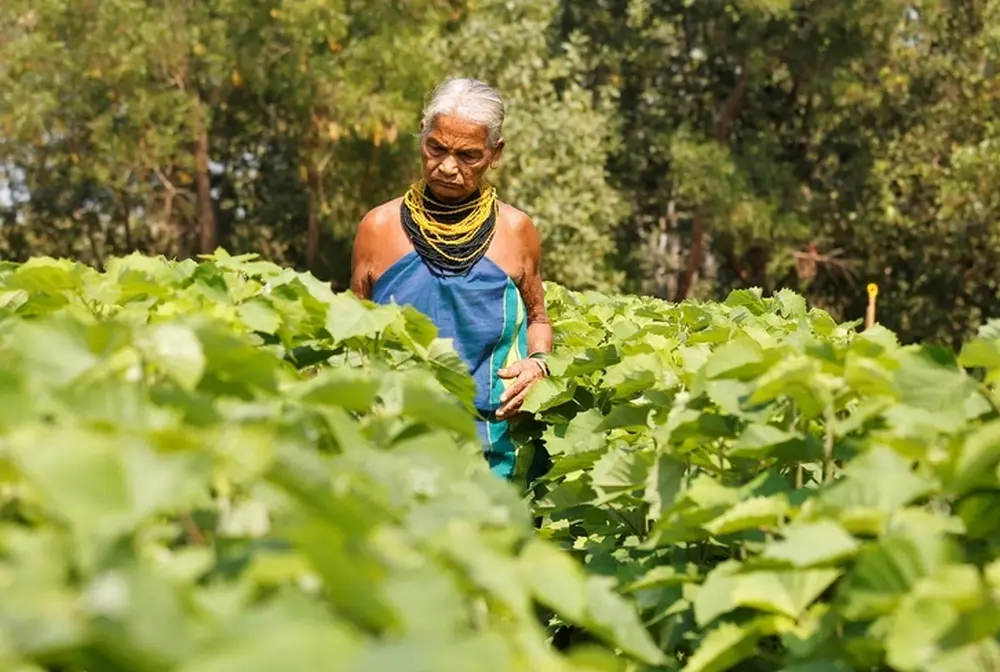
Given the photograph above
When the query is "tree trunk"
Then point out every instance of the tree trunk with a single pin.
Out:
(208, 238)
(694, 258)
(312, 230)
(722, 128)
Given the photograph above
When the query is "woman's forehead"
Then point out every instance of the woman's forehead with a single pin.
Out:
(455, 131)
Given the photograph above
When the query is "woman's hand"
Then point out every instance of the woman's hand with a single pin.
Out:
(524, 374)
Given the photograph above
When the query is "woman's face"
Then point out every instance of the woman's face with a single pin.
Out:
(455, 155)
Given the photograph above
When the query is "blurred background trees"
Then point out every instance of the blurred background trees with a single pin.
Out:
(666, 147)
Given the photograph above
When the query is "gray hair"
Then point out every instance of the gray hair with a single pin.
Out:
(469, 99)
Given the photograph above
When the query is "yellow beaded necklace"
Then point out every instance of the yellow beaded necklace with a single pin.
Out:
(461, 238)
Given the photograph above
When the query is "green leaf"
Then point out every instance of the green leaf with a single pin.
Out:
(758, 440)
(346, 388)
(723, 648)
(280, 647)
(664, 485)
(888, 571)
(578, 435)
(791, 304)
(555, 580)
(423, 400)
(616, 620)
(788, 593)
(176, 350)
(547, 393)
(811, 544)
(139, 613)
(874, 485)
(924, 382)
(751, 514)
(736, 359)
(976, 459)
(621, 469)
(981, 353)
(45, 275)
(349, 317)
(259, 315)
(981, 656)
(819, 666)
(928, 613)
(634, 374)
(57, 350)
(799, 378)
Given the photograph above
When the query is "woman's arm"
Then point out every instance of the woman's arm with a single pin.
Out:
(527, 371)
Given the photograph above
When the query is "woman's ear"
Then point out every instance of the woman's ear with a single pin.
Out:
(497, 153)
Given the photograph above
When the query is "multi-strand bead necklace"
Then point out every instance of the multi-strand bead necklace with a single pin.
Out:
(451, 237)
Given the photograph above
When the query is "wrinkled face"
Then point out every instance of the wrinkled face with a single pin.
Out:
(456, 155)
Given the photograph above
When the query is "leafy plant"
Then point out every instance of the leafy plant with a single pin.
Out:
(777, 491)
(225, 466)
(222, 464)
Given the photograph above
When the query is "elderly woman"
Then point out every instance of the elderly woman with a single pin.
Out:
(470, 262)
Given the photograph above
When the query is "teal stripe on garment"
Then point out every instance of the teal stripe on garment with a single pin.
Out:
(502, 455)
(510, 347)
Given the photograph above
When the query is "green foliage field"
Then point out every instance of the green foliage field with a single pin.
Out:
(223, 465)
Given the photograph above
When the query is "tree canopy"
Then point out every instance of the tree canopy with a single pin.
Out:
(664, 147)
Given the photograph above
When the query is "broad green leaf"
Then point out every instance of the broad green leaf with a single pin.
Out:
(282, 646)
(423, 401)
(177, 352)
(981, 656)
(349, 317)
(874, 485)
(787, 593)
(140, 612)
(663, 575)
(663, 485)
(634, 374)
(734, 359)
(578, 435)
(929, 384)
(981, 353)
(928, 613)
(259, 315)
(347, 388)
(751, 514)
(555, 580)
(757, 440)
(791, 304)
(811, 544)
(723, 648)
(78, 473)
(616, 620)
(976, 459)
(547, 393)
(57, 350)
(45, 275)
(887, 571)
(622, 469)
(801, 379)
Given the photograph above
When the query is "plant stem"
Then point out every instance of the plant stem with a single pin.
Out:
(828, 446)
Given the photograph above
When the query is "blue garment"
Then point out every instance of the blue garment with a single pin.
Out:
(484, 315)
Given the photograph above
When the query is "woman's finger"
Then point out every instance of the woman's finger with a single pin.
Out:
(515, 403)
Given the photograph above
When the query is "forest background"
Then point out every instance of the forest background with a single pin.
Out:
(664, 147)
